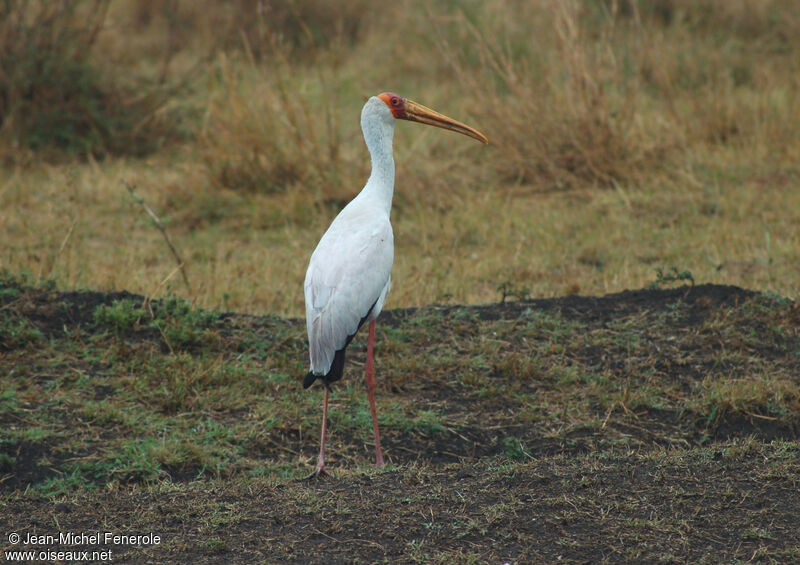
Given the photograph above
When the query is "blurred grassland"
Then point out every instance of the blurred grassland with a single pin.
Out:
(626, 137)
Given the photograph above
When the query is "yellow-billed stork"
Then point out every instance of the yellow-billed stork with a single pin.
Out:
(349, 273)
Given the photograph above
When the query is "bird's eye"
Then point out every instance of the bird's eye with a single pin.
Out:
(395, 101)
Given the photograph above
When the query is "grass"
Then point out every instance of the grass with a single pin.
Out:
(629, 144)
(462, 520)
(212, 396)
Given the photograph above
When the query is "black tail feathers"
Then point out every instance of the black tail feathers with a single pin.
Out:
(334, 374)
(337, 367)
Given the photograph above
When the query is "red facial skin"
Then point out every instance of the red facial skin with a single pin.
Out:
(396, 103)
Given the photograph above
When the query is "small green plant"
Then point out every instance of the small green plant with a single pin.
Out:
(671, 276)
(515, 449)
(8, 291)
(66, 483)
(9, 280)
(8, 401)
(7, 462)
(16, 333)
(417, 550)
(134, 460)
(182, 325)
(507, 289)
(177, 321)
(216, 545)
(758, 533)
(120, 316)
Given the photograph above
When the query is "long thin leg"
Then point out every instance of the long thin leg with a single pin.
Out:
(320, 470)
(370, 380)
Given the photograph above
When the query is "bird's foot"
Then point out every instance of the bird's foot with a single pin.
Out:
(318, 473)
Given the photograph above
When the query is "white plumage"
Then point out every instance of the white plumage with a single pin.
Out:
(340, 294)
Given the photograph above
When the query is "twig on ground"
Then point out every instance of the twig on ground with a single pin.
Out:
(161, 228)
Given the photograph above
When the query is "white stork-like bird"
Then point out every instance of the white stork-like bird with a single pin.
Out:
(349, 273)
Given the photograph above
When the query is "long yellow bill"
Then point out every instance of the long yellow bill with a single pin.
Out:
(424, 115)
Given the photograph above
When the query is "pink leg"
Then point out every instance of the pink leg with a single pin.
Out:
(370, 380)
(320, 470)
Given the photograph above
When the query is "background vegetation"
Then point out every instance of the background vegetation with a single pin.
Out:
(626, 137)
(633, 144)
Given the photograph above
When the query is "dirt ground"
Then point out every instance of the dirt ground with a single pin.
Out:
(657, 425)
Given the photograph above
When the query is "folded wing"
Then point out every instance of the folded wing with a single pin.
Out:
(347, 280)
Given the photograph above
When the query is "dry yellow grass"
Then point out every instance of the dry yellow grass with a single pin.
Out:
(626, 137)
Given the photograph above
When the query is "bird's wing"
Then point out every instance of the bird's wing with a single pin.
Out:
(347, 273)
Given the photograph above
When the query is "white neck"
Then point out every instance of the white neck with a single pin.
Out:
(377, 124)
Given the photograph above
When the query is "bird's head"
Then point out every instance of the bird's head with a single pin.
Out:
(405, 109)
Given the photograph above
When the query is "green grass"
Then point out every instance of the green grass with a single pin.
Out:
(222, 400)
